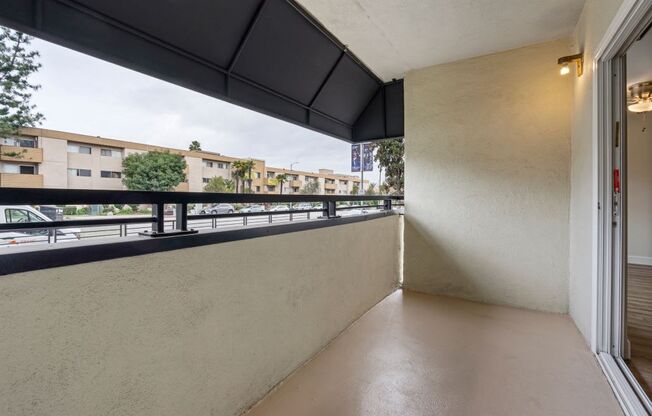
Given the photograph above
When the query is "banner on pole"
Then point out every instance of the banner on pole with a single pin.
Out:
(355, 158)
(368, 157)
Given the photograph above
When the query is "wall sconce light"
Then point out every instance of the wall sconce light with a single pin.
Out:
(640, 97)
(564, 61)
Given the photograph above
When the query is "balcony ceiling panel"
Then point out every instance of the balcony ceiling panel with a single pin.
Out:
(292, 58)
(214, 39)
(395, 36)
(267, 55)
(348, 91)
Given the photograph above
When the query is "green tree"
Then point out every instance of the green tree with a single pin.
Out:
(219, 184)
(195, 146)
(390, 155)
(17, 63)
(371, 189)
(311, 187)
(281, 178)
(153, 171)
(355, 190)
(241, 172)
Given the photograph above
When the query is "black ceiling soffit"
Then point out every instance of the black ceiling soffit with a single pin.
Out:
(267, 55)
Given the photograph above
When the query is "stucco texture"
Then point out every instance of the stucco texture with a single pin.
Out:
(487, 178)
(593, 23)
(201, 331)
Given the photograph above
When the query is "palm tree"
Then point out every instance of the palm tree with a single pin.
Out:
(281, 178)
(241, 172)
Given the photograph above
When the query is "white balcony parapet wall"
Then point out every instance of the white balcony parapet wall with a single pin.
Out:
(197, 331)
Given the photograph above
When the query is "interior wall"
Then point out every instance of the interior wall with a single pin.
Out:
(487, 178)
(639, 160)
(200, 331)
(639, 188)
(594, 21)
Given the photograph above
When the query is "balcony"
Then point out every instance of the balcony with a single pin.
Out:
(21, 154)
(497, 290)
(17, 180)
(330, 186)
(295, 183)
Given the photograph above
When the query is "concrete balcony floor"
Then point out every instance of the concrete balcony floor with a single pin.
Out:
(415, 354)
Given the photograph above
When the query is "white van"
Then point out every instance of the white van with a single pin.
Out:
(25, 213)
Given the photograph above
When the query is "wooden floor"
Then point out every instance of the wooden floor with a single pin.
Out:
(639, 323)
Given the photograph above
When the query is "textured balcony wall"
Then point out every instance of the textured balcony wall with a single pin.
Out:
(201, 331)
(487, 178)
(593, 23)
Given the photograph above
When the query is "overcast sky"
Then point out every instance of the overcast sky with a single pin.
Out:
(85, 95)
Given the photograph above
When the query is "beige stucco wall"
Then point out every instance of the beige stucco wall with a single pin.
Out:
(201, 331)
(194, 174)
(54, 167)
(487, 178)
(593, 23)
(639, 188)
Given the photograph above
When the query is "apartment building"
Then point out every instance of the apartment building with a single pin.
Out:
(42, 158)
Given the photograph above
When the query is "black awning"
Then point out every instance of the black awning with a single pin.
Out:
(267, 55)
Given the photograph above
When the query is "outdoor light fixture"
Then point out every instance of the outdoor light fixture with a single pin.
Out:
(564, 70)
(640, 97)
(564, 61)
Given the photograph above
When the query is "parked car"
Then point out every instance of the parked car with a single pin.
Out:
(303, 206)
(218, 209)
(279, 208)
(23, 214)
(253, 208)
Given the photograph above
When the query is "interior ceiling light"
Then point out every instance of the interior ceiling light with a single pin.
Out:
(639, 99)
(565, 60)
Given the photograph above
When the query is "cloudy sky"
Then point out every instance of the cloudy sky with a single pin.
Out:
(85, 95)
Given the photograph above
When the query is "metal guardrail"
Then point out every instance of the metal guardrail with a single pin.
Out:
(158, 200)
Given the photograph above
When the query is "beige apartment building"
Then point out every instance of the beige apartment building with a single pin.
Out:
(42, 158)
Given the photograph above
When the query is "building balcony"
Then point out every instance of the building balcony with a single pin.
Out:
(330, 186)
(21, 154)
(17, 180)
(295, 184)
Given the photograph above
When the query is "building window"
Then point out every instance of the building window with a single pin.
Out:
(110, 152)
(270, 188)
(28, 170)
(270, 175)
(227, 166)
(258, 189)
(257, 175)
(19, 141)
(206, 180)
(208, 164)
(110, 174)
(77, 148)
(79, 172)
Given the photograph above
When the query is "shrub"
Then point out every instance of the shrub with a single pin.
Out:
(126, 210)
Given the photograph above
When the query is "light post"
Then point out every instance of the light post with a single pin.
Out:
(292, 165)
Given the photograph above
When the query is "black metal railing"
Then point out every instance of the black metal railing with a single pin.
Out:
(157, 225)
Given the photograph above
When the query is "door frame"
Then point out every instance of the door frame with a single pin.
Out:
(609, 239)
